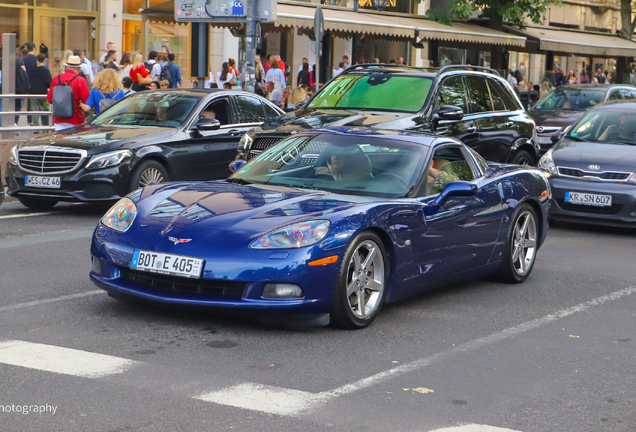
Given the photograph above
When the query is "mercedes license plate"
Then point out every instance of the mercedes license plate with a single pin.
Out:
(42, 182)
(545, 140)
(588, 199)
(174, 265)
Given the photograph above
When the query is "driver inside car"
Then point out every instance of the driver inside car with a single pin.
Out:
(345, 163)
(208, 113)
(162, 111)
(624, 130)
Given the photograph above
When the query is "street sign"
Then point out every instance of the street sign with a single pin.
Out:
(229, 11)
(319, 24)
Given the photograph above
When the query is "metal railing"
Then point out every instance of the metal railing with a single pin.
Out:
(16, 128)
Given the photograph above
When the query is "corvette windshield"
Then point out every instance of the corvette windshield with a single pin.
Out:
(379, 91)
(606, 126)
(149, 109)
(348, 164)
(571, 99)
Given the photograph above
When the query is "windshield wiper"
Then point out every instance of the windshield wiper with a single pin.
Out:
(238, 180)
(623, 142)
(575, 138)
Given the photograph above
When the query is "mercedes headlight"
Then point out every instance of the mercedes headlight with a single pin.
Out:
(108, 159)
(120, 216)
(294, 236)
(245, 143)
(547, 164)
(13, 155)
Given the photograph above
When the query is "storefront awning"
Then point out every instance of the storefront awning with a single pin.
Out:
(576, 42)
(389, 25)
(161, 13)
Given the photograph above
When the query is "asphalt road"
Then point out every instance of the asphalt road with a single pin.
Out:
(556, 353)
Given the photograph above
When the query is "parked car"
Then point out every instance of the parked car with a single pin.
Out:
(327, 223)
(565, 104)
(146, 138)
(467, 102)
(592, 168)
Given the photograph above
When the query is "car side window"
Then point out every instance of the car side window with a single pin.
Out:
(633, 92)
(478, 94)
(627, 94)
(448, 164)
(251, 109)
(497, 97)
(270, 112)
(452, 92)
(512, 104)
(221, 109)
(615, 95)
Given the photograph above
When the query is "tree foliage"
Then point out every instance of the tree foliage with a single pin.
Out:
(627, 24)
(497, 11)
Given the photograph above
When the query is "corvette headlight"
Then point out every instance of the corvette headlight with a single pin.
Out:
(245, 143)
(108, 159)
(13, 156)
(120, 216)
(547, 164)
(294, 236)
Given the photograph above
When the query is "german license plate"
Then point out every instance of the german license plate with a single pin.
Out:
(42, 182)
(588, 199)
(545, 140)
(174, 265)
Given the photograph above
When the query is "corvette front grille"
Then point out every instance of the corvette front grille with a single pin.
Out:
(45, 160)
(214, 287)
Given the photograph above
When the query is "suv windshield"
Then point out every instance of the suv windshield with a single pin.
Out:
(571, 99)
(379, 91)
(347, 164)
(610, 126)
(148, 109)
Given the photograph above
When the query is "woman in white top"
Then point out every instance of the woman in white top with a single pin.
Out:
(275, 75)
(125, 65)
(225, 76)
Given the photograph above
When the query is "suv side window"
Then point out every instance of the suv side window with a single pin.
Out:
(615, 95)
(478, 94)
(452, 92)
(627, 94)
(508, 97)
(497, 98)
(251, 109)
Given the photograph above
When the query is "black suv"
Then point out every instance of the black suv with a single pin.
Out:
(471, 103)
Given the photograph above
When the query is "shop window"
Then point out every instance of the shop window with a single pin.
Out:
(83, 5)
(19, 22)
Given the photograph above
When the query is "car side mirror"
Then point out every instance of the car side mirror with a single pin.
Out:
(236, 165)
(448, 112)
(206, 124)
(453, 189)
(555, 137)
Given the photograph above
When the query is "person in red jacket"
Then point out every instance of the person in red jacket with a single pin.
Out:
(80, 93)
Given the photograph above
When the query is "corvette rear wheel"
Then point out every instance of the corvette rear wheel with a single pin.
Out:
(359, 291)
(521, 248)
(148, 173)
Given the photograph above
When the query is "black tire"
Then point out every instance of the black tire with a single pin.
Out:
(37, 203)
(147, 173)
(511, 270)
(342, 313)
(522, 157)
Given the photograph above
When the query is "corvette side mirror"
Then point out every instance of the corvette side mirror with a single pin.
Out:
(453, 189)
(236, 165)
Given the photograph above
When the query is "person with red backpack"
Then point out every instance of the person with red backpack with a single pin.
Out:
(66, 94)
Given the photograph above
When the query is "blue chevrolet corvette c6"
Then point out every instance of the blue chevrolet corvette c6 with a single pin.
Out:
(328, 223)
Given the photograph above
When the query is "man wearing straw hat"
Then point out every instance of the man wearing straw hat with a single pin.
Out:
(80, 94)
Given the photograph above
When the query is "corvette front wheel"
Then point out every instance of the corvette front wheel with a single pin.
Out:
(359, 291)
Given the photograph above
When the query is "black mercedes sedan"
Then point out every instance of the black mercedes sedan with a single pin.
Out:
(144, 139)
(592, 168)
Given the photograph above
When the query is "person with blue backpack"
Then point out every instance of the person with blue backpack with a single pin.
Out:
(107, 90)
(171, 72)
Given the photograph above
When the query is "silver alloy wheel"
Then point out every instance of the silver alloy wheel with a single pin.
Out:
(150, 176)
(365, 279)
(524, 243)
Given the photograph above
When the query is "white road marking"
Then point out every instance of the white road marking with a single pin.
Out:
(47, 237)
(475, 428)
(26, 215)
(62, 360)
(51, 300)
(275, 400)
(269, 399)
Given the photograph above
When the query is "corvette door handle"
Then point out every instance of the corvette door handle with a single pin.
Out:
(234, 132)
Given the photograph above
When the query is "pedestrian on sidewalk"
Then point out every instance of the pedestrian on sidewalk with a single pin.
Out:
(153, 66)
(30, 62)
(125, 64)
(108, 90)
(274, 95)
(175, 71)
(87, 67)
(40, 78)
(80, 93)
(140, 74)
(276, 76)
(110, 62)
(127, 83)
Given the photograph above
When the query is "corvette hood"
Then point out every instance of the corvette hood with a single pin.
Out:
(318, 118)
(609, 157)
(86, 137)
(212, 212)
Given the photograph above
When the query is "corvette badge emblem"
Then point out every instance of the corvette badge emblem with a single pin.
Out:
(176, 241)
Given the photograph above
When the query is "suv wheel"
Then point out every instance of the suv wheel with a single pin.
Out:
(522, 157)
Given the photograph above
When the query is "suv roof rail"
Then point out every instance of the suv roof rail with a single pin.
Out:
(466, 67)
